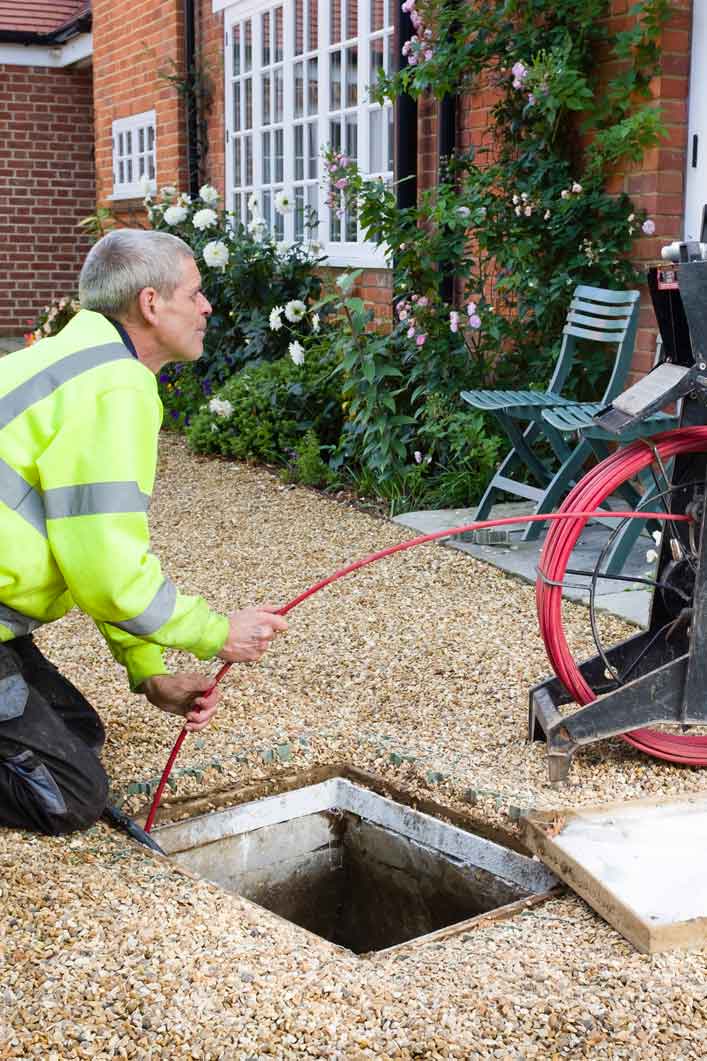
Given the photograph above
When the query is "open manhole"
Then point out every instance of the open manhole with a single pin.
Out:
(356, 868)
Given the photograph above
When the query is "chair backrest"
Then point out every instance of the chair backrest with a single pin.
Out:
(601, 316)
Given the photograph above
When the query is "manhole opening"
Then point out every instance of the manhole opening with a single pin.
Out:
(352, 866)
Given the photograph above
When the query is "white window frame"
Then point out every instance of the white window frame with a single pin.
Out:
(131, 127)
(343, 253)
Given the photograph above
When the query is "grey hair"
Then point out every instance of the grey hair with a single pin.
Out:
(125, 261)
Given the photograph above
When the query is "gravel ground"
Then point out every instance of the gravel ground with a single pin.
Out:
(416, 669)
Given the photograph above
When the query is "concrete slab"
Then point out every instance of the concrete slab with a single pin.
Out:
(640, 864)
(521, 558)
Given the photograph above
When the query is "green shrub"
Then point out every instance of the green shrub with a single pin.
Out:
(307, 465)
(265, 411)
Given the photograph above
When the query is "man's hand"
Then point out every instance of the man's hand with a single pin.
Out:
(250, 633)
(178, 694)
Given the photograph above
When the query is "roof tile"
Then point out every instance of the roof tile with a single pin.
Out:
(39, 16)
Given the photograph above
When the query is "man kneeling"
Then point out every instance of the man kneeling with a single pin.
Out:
(79, 422)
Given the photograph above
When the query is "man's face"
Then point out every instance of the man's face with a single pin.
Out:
(182, 319)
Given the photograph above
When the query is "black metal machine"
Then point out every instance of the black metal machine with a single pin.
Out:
(665, 666)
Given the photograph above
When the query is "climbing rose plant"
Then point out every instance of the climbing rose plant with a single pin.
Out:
(518, 221)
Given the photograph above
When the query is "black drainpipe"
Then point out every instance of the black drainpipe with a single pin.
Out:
(191, 100)
(405, 122)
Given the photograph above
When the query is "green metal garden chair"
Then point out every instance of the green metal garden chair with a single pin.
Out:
(578, 420)
(595, 315)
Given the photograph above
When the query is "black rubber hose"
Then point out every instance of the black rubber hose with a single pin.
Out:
(119, 820)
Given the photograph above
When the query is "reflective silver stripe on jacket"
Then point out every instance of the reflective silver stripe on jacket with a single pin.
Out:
(94, 499)
(18, 495)
(17, 622)
(49, 379)
(15, 491)
(156, 614)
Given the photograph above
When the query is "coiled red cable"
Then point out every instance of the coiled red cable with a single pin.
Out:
(564, 516)
(589, 494)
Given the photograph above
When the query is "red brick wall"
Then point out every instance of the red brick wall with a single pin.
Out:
(46, 186)
(133, 49)
(657, 184)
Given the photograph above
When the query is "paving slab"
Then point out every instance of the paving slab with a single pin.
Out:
(520, 558)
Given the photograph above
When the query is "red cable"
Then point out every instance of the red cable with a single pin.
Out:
(580, 517)
(562, 537)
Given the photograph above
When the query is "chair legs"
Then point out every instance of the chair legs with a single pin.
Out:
(560, 483)
(519, 456)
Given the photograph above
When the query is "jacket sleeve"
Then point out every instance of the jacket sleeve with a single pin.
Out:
(97, 476)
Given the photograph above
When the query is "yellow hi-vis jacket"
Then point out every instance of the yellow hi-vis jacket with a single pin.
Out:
(79, 422)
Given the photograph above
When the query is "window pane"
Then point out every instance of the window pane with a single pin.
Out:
(150, 137)
(391, 141)
(266, 158)
(266, 39)
(352, 137)
(121, 152)
(377, 15)
(141, 139)
(151, 167)
(128, 143)
(236, 50)
(267, 208)
(375, 127)
(266, 99)
(279, 224)
(279, 154)
(248, 46)
(299, 152)
(248, 116)
(237, 173)
(299, 27)
(313, 11)
(334, 226)
(312, 151)
(141, 166)
(299, 89)
(279, 76)
(248, 145)
(237, 206)
(335, 81)
(312, 87)
(236, 105)
(313, 206)
(351, 19)
(351, 229)
(129, 171)
(121, 172)
(377, 46)
(391, 53)
(335, 16)
(299, 213)
(351, 76)
(335, 133)
(279, 36)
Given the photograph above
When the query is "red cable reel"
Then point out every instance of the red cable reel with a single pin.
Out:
(588, 495)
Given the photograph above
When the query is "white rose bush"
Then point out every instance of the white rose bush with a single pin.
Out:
(260, 287)
(256, 393)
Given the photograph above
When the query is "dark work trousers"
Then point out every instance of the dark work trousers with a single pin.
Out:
(51, 778)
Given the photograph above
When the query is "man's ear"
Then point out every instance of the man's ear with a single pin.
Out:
(147, 304)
